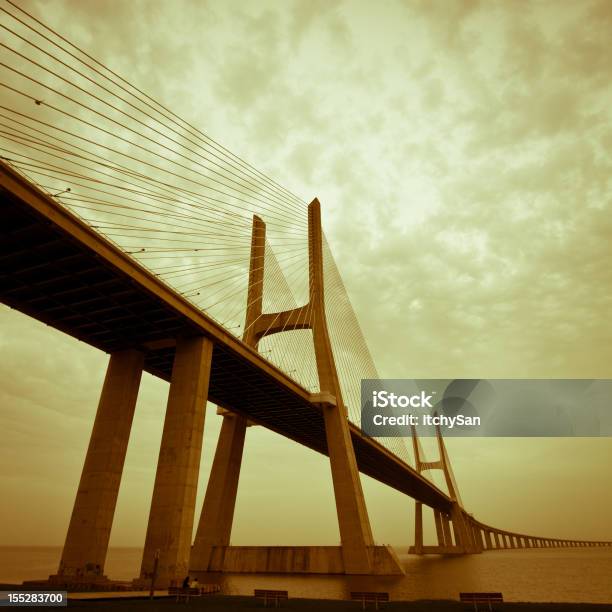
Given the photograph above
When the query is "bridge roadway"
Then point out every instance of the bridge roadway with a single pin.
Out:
(57, 269)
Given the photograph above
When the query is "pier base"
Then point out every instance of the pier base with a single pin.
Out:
(295, 560)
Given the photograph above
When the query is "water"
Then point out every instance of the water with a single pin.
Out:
(563, 575)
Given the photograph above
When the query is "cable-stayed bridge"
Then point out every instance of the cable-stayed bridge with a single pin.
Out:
(130, 229)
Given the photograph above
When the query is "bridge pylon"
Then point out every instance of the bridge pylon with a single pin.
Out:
(456, 531)
(358, 554)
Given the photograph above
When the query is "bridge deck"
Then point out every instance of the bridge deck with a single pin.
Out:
(57, 269)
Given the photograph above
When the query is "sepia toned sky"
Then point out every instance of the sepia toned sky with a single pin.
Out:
(462, 155)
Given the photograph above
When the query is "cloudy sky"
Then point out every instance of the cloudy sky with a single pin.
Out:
(461, 153)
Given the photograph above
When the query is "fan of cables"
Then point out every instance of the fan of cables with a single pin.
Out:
(167, 194)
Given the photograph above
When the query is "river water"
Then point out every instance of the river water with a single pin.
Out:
(562, 575)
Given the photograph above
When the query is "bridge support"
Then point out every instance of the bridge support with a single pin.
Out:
(439, 530)
(355, 530)
(467, 536)
(168, 540)
(211, 549)
(86, 545)
(215, 526)
(448, 534)
(418, 528)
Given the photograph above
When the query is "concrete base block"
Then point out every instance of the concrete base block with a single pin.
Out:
(84, 582)
(295, 560)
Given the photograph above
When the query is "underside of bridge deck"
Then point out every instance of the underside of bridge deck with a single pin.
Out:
(59, 271)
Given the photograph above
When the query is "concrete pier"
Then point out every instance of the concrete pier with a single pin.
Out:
(418, 528)
(439, 530)
(86, 545)
(215, 525)
(353, 520)
(171, 517)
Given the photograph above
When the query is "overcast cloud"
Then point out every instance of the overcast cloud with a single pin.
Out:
(462, 155)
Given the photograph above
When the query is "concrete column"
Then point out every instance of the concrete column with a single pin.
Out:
(488, 539)
(170, 525)
(446, 529)
(457, 533)
(418, 528)
(215, 526)
(353, 520)
(461, 528)
(355, 530)
(473, 533)
(439, 530)
(478, 537)
(497, 543)
(86, 543)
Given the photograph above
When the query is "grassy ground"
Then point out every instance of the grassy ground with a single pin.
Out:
(223, 604)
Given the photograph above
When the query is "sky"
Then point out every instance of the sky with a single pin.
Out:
(461, 154)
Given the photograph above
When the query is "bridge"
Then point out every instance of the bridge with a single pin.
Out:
(131, 230)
